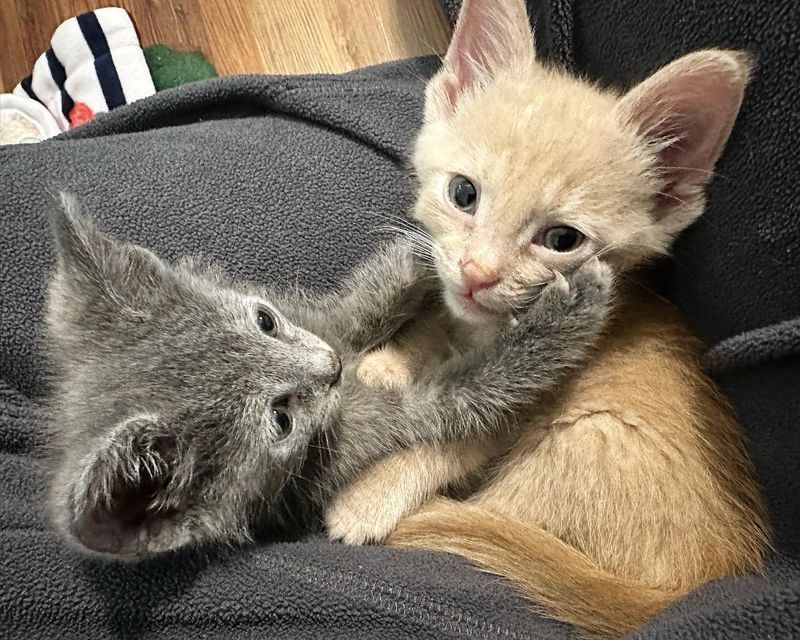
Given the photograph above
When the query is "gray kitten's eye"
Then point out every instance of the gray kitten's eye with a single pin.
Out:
(463, 194)
(266, 323)
(561, 239)
(283, 421)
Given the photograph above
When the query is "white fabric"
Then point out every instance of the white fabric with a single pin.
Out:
(23, 120)
(134, 75)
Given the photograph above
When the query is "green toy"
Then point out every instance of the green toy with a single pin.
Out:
(170, 68)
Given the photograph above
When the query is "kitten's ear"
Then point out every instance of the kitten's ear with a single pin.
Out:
(92, 262)
(490, 36)
(687, 110)
(130, 499)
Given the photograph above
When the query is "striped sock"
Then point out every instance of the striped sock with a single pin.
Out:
(95, 64)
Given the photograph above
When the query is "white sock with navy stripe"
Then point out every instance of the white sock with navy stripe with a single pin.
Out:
(95, 64)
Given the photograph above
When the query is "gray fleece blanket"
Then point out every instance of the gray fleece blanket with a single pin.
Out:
(288, 180)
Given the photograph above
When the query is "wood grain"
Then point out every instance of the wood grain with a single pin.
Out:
(243, 36)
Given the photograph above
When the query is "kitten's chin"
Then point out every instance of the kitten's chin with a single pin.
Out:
(469, 310)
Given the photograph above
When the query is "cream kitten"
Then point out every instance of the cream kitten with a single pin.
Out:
(633, 485)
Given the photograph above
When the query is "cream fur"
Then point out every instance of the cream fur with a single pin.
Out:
(634, 479)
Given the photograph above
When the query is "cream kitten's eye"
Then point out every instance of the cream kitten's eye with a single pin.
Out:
(560, 239)
(463, 194)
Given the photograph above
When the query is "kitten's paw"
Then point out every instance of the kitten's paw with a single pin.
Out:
(591, 283)
(356, 518)
(586, 291)
(384, 368)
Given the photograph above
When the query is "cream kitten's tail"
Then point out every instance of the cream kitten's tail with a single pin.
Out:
(544, 568)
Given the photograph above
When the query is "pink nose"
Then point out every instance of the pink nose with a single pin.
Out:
(477, 277)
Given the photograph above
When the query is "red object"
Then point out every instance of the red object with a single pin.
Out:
(80, 114)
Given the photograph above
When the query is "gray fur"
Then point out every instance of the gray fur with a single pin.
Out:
(163, 431)
(163, 395)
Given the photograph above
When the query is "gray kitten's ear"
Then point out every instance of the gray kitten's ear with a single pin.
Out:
(131, 496)
(490, 36)
(93, 262)
(686, 111)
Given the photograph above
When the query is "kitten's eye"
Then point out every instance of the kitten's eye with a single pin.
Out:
(266, 323)
(463, 194)
(283, 421)
(561, 239)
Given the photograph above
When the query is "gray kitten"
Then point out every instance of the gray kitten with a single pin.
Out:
(187, 408)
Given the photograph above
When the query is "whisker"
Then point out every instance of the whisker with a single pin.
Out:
(321, 448)
(708, 171)
(326, 434)
(643, 287)
(609, 247)
(671, 197)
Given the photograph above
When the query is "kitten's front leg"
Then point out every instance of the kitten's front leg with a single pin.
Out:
(383, 293)
(478, 395)
(369, 509)
(475, 395)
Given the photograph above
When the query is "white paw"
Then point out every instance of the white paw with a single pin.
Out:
(362, 523)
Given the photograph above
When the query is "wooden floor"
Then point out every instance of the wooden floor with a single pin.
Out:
(243, 36)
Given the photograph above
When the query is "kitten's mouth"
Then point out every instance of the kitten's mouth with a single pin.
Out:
(467, 302)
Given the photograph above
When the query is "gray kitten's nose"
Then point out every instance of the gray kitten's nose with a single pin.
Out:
(337, 370)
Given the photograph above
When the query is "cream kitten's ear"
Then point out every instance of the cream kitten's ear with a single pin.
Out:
(490, 36)
(688, 109)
